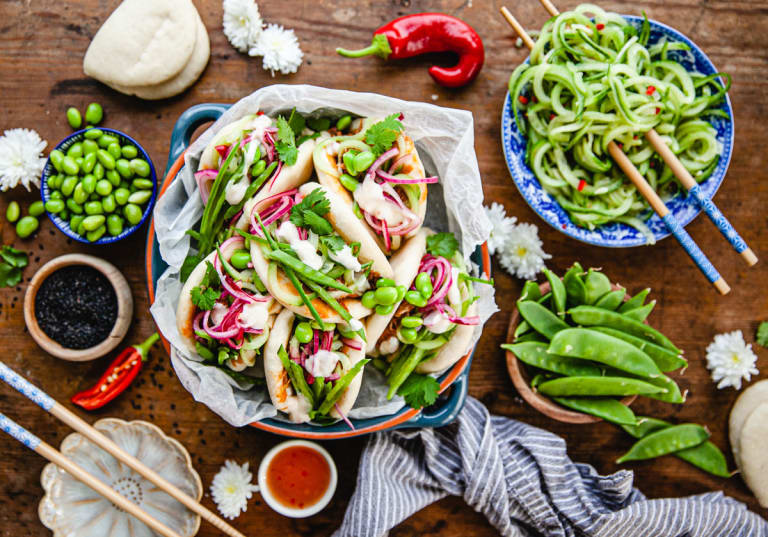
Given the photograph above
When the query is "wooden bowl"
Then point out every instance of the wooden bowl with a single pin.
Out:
(520, 379)
(124, 308)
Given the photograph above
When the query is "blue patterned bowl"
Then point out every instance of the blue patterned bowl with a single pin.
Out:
(615, 235)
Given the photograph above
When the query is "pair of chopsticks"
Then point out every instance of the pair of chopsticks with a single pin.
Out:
(653, 198)
(47, 403)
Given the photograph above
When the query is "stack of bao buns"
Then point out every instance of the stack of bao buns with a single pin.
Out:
(401, 263)
(747, 428)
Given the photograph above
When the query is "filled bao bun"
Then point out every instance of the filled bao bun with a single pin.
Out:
(346, 224)
(286, 178)
(186, 310)
(283, 395)
(328, 165)
(451, 352)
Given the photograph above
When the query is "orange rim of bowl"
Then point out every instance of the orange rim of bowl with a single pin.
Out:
(453, 374)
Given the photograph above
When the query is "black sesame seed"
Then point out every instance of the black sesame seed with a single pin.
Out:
(76, 306)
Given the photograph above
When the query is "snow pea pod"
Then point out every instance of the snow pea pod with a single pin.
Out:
(574, 285)
(598, 386)
(596, 284)
(541, 319)
(666, 441)
(612, 300)
(608, 350)
(641, 313)
(535, 354)
(530, 336)
(706, 456)
(531, 291)
(666, 359)
(559, 294)
(305, 270)
(523, 327)
(636, 301)
(671, 393)
(592, 316)
(608, 409)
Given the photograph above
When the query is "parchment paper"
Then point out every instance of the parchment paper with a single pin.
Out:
(445, 140)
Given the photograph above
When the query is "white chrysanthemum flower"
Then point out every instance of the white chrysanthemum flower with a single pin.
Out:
(242, 23)
(232, 488)
(280, 49)
(501, 226)
(521, 254)
(731, 360)
(21, 159)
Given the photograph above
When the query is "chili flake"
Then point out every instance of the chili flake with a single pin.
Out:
(651, 90)
(523, 99)
(582, 184)
(600, 26)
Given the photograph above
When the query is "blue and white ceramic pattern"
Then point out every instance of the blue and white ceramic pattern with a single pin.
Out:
(19, 432)
(683, 207)
(26, 388)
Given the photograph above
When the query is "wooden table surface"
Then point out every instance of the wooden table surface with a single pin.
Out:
(43, 43)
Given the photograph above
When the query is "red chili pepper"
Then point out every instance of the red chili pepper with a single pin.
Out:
(117, 377)
(552, 116)
(422, 33)
(523, 99)
(650, 90)
(658, 109)
(600, 26)
(582, 184)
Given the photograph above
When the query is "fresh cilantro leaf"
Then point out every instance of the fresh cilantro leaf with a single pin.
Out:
(380, 136)
(317, 202)
(316, 223)
(9, 275)
(211, 277)
(287, 153)
(419, 390)
(285, 133)
(334, 243)
(204, 298)
(189, 264)
(297, 122)
(762, 334)
(14, 257)
(310, 211)
(442, 244)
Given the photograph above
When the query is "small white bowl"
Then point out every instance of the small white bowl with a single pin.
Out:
(289, 511)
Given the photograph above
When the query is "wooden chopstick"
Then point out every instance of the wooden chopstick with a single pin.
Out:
(53, 455)
(629, 169)
(47, 403)
(687, 180)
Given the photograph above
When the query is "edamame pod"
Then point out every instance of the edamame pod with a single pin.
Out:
(592, 316)
(666, 359)
(559, 294)
(596, 284)
(535, 354)
(541, 319)
(605, 349)
(598, 386)
(666, 441)
(608, 409)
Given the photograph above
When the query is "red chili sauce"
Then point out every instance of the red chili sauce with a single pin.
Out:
(298, 477)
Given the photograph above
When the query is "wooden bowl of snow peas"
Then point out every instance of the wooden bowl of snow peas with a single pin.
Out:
(586, 349)
(98, 186)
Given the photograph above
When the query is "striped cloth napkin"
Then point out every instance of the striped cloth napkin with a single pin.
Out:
(522, 480)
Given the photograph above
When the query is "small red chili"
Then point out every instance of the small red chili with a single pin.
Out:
(117, 377)
(552, 116)
(658, 109)
(523, 99)
(582, 184)
(650, 90)
(600, 26)
(422, 33)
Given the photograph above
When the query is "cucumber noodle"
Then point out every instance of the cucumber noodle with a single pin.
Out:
(592, 79)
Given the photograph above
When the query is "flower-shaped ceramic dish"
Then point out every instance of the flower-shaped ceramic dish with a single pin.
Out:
(63, 225)
(70, 508)
(615, 235)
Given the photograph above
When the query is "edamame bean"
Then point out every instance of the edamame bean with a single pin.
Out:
(103, 187)
(240, 259)
(94, 113)
(414, 298)
(98, 170)
(343, 122)
(258, 168)
(54, 206)
(598, 386)
(142, 184)
(541, 319)
(26, 226)
(89, 146)
(75, 221)
(382, 309)
(69, 166)
(74, 118)
(608, 409)
(106, 159)
(349, 162)
(108, 203)
(348, 182)
(596, 284)
(89, 183)
(12, 212)
(412, 321)
(93, 207)
(96, 234)
(666, 441)
(36, 209)
(602, 348)
(56, 157)
(93, 221)
(363, 160)
(303, 332)
(407, 335)
(611, 301)
(79, 195)
(114, 225)
(386, 296)
(56, 195)
(129, 151)
(121, 195)
(114, 150)
(113, 177)
(106, 139)
(64, 214)
(591, 316)
(535, 354)
(75, 150)
(636, 301)
(74, 206)
(559, 294)
(140, 167)
(423, 284)
(665, 359)
(641, 313)
(132, 213)
(369, 299)
(93, 134)
(68, 185)
(89, 161)
(385, 282)
(140, 197)
(400, 292)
